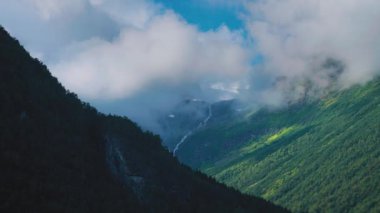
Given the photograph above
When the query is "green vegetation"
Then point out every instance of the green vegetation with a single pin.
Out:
(322, 156)
(58, 154)
(280, 134)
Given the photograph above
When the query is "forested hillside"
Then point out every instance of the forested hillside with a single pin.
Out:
(316, 156)
(58, 154)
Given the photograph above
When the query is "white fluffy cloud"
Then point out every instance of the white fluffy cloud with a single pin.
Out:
(298, 38)
(140, 54)
(167, 49)
(151, 45)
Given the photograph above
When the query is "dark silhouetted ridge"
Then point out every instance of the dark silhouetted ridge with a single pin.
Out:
(58, 154)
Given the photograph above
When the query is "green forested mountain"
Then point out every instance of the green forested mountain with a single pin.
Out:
(320, 156)
(58, 154)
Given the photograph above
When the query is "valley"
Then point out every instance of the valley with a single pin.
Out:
(317, 156)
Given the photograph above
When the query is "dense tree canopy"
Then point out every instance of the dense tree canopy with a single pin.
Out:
(58, 154)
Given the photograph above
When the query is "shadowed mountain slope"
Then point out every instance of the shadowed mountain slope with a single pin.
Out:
(58, 154)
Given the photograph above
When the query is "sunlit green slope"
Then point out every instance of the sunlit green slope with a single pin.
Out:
(319, 157)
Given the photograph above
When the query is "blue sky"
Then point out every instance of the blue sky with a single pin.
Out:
(207, 15)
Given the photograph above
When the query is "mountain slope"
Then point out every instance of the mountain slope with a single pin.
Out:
(58, 154)
(182, 119)
(322, 156)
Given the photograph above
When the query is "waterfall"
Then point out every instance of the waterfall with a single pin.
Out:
(189, 133)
